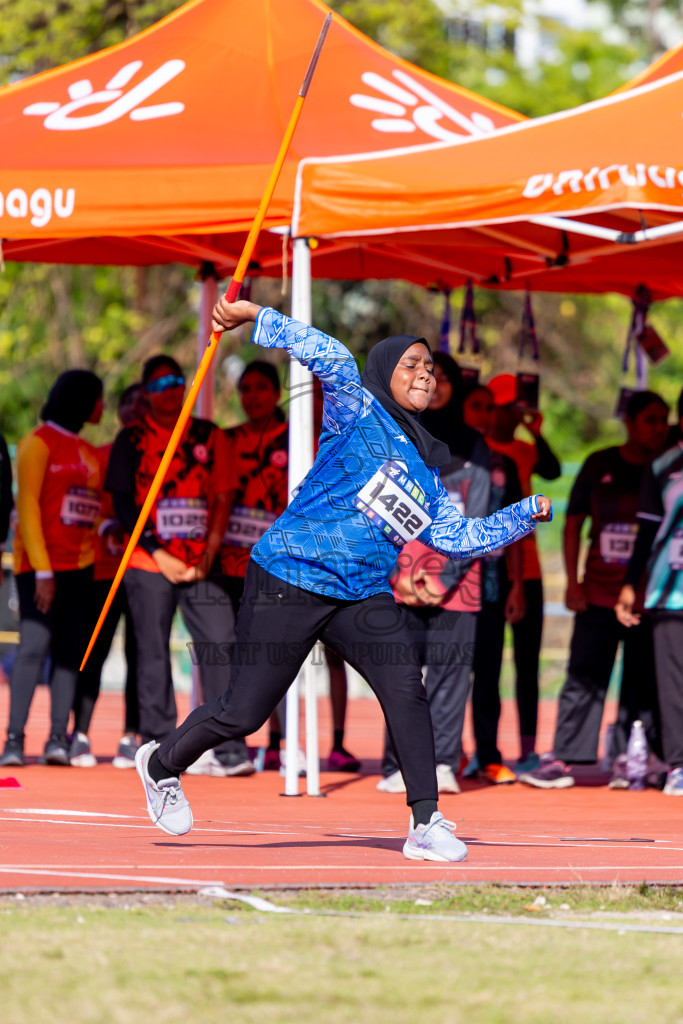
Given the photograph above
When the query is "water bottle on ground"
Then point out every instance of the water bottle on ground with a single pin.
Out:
(636, 756)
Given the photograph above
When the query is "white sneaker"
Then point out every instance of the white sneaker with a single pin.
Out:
(166, 801)
(446, 780)
(207, 764)
(392, 784)
(434, 841)
(301, 761)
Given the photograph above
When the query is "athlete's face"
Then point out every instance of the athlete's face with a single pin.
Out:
(412, 382)
(258, 397)
(477, 410)
(443, 389)
(167, 403)
(650, 428)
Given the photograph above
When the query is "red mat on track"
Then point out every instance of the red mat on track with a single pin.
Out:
(78, 829)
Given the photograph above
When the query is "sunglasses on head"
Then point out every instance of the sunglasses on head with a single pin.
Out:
(165, 383)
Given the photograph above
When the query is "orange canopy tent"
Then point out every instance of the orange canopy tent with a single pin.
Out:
(586, 200)
(158, 149)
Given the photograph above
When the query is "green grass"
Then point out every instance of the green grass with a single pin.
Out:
(494, 899)
(186, 962)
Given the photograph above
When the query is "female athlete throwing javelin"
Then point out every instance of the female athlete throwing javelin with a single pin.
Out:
(321, 570)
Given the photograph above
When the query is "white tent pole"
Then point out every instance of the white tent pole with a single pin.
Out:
(578, 227)
(300, 461)
(663, 231)
(204, 407)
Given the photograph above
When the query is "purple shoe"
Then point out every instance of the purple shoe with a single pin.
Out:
(342, 761)
(550, 774)
(271, 761)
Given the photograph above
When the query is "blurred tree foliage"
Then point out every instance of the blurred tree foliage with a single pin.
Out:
(35, 35)
(109, 318)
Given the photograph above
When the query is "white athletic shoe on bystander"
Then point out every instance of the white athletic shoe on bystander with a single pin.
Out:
(446, 780)
(392, 783)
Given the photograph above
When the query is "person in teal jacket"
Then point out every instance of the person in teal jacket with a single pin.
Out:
(321, 571)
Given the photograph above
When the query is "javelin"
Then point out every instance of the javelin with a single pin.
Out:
(212, 346)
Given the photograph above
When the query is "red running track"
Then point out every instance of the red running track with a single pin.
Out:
(84, 829)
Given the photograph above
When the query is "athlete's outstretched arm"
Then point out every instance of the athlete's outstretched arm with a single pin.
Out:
(326, 357)
(459, 537)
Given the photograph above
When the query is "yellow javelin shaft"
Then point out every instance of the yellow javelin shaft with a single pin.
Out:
(212, 346)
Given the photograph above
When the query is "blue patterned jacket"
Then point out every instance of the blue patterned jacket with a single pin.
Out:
(368, 492)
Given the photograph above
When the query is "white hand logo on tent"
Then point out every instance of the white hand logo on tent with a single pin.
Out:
(62, 117)
(406, 114)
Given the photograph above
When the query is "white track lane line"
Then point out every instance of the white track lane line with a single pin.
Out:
(255, 869)
(69, 814)
(155, 879)
(262, 832)
(106, 824)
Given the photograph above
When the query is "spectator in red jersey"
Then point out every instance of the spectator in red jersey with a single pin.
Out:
(502, 600)
(258, 457)
(606, 491)
(58, 505)
(259, 465)
(108, 552)
(442, 598)
(532, 457)
(174, 565)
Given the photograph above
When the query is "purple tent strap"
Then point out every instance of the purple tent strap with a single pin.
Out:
(528, 330)
(444, 337)
(468, 323)
(641, 305)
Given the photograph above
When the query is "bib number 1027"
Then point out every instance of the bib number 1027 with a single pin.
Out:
(393, 502)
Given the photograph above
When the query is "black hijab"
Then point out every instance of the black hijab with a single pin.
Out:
(72, 399)
(376, 378)
(446, 423)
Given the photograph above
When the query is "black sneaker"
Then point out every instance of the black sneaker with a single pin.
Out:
(550, 774)
(13, 754)
(125, 757)
(619, 778)
(236, 761)
(56, 750)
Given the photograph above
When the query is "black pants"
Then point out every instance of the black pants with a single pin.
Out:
(207, 612)
(445, 645)
(596, 637)
(527, 635)
(276, 628)
(89, 680)
(667, 630)
(488, 658)
(59, 634)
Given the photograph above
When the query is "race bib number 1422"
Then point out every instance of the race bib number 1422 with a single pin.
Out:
(394, 503)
